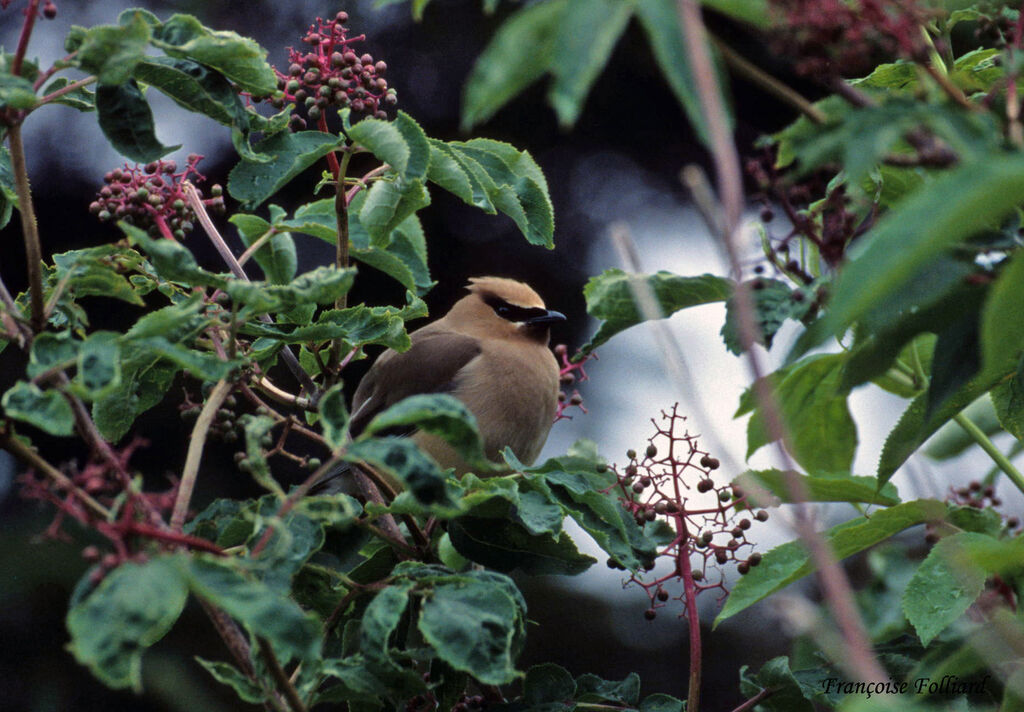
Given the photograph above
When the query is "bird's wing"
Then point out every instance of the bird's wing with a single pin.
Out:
(429, 366)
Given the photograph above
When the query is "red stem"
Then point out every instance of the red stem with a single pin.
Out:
(31, 13)
(685, 572)
(332, 160)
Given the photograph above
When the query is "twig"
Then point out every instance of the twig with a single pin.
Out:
(29, 227)
(31, 13)
(755, 700)
(767, 82)
(287, 355)
(30, 457)
(283, 683)
(730, 191)
(978, 435)
(195, 452)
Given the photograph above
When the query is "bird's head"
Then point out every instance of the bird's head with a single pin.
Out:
(497, 306)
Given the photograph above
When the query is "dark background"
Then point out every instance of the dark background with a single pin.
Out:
(630, 116)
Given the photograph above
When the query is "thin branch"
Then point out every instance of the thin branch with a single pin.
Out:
(194, 456)
(31, 13)
(767, 82)
(755, 700)
(34, 460)
(730, 192)
(978, 435)
(29, 227)
(73, 86)
(287, 355)
(283, 683)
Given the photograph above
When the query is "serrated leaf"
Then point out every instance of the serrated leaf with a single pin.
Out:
(92, 272)
(8, 193)
(334, 416)
(99, 364)
(951, 439)
(355, 326)
(195, 88)
(400, 459)
(548, 683)
(127, 122)
(505, 545)
(813, 406)
(238, 58)
(944, 586)
(1001, 325)
(400, 143)
(587, 35)
(820, 487)
(130, 610)
(613, 298)
(518, 55)
(231, 676)
(387, 204)
(205, 366)
(791, 561)
(260, 609)
(112, 51)
(789, 694)
(439, 414)
(1008, 399)
(253, 182)
(472, 625)
(277, 256)
(323, 285)
(16, 93)
(774, 301)
(963, 201)
(46, 410)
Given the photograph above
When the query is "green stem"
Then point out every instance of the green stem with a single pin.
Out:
(978, 435)
(29, 227)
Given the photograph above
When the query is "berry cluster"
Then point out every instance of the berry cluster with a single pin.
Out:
(152, 197)
(844, 37)
(569, 372)
(711, 524)
(332, 74)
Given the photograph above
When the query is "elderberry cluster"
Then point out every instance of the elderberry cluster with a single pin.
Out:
(711, 524)
(152, 197)
(332, 74)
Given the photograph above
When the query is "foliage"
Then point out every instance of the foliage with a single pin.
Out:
(901, 256)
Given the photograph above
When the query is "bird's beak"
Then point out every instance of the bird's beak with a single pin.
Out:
(548, 317)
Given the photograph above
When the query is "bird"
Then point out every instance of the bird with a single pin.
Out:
(490, 351)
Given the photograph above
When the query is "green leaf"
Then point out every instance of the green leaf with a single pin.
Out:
(47, 410)
(381, 618)
(753, 11)
(260, 609)
(659, 702)
(253, 182)
(172, 260)
(16, 93)
(238, 58)
(1008, 399)
(112, 51)
(80, 99)
(820, 487)
(791, 561)
(587, 35)
(548, 683)
(130, 610)
(355, 326)
(257, 428)
(613, 298)
(99, 364)
(323, 285)
(93, 271)
(387, 204)
(591, 688)
(400, 143)
(195, 88)
(789, 694)
(505, 545)
(970, 198)
(334, 416)
(231, 676)
(205, 366)
(473, 624)
(944, 586)
(661, 22)
(51, 350)
(277, 256)
(400, 459)
(951, 439)
(514, 184)
(814, 411)
(439, 414)
(8, 193)
(127, 122)
(774, 301)
(917, 424)
(1002, 328)
(518, 55)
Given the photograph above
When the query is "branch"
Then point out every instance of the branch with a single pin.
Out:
(283, 683)
(730, 193)
(195, 452)
(29, 227)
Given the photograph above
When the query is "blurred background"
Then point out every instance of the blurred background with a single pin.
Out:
(619, 166)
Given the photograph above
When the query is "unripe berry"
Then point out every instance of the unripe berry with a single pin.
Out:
(761, 516)
(651, 451)
(650, 614)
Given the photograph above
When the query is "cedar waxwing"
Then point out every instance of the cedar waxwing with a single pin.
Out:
(491, 352)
